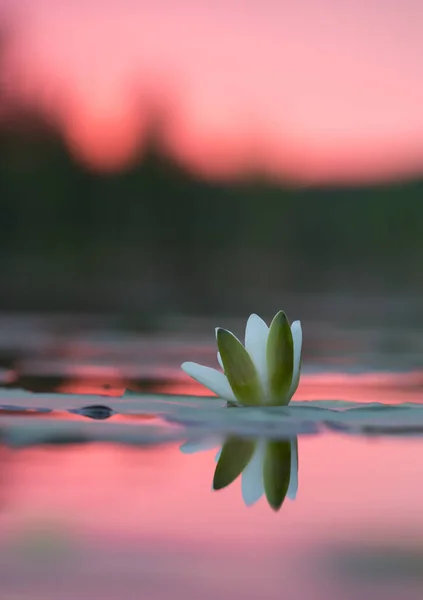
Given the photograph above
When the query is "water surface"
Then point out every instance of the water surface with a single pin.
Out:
(111, 506)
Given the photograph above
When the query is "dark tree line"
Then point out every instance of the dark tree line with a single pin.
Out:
(159, 237)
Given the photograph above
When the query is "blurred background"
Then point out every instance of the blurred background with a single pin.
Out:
(167, 166)
(173, 159)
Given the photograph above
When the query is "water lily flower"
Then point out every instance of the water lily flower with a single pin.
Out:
(264, 372)
(266, 467)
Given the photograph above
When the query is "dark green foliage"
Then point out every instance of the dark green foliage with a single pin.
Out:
(158, 237)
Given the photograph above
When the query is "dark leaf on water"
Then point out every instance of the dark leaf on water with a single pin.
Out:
(97, 412)
(17, 408)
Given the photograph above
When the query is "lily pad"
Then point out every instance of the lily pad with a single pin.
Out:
(96, 412)
(208, 415)
(17, 433)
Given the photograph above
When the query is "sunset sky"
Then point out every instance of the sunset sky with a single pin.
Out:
(307, 90)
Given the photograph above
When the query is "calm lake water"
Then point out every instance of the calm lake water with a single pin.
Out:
(108, 505)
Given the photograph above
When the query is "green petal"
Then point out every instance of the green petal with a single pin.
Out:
(239, 369)
(277, 472)
(235, 456)
(280, 359)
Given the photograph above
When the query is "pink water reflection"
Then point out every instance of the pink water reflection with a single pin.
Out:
(157, 503)
(121, 491)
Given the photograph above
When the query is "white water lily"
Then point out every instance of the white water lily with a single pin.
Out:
(264, 372)
(257, 480)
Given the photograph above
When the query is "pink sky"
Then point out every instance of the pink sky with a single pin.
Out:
(305, 90)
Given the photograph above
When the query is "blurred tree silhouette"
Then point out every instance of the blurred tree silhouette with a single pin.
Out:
(159, 238)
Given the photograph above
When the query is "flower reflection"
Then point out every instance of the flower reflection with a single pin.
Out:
(267, 467)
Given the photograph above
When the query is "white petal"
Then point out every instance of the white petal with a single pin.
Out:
(256, 334)
(212, 379)
(293, 481)
(219, 360)
(198, 446)
(252, 476)
(297, 337)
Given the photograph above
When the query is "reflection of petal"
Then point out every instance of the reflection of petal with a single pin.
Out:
(293, 481)
(199, 446)
(236, 454)
(276, 471)
(252, 476)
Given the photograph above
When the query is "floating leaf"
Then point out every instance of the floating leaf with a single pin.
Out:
(20, 432)
(208, 416)
(97, 412)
